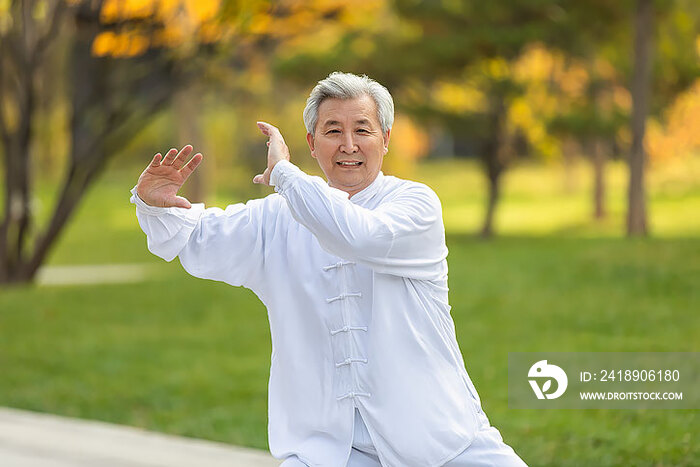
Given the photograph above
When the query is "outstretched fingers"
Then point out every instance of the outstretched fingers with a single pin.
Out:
(181, 157)
(169, 157)
(156, 160)
(191, 165)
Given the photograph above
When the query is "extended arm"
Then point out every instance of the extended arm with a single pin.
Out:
(225, 245)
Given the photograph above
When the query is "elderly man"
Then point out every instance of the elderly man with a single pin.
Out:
(365, 367)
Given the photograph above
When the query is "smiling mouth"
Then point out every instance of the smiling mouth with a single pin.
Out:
(349, 164)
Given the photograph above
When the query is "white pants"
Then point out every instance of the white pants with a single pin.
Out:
(487, 449)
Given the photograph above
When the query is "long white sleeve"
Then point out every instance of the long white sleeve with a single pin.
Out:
(212, 243)
(403, 236)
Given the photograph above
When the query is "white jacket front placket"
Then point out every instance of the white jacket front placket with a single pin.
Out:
(342, 340)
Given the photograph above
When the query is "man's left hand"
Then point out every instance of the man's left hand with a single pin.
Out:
(277, 150)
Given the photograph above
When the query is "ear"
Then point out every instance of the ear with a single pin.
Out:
(386, 141)
(310, 142)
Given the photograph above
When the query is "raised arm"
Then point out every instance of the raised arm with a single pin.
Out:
(212, 243)
(404, 236)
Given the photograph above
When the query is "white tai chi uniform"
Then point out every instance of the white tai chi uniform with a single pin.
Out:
(356, 293)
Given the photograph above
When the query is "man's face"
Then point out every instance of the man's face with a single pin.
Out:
(348, 142)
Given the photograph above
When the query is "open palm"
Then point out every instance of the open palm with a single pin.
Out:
(160, 181)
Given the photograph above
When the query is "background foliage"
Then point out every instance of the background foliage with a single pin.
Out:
(517, 113)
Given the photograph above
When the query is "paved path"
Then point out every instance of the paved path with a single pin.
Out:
(29, 439)
(93, 274)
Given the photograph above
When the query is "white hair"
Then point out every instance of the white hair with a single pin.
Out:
(349, 86)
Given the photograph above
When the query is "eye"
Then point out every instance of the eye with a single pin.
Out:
(363, 130)
(332, 131)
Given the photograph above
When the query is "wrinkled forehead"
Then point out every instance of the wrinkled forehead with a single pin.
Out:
(335, 111)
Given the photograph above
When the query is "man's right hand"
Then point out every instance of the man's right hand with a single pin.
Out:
(159, 183)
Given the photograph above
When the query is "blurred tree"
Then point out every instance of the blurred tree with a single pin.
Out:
(409, 143)
(424, 53)
(483, 122)
(128, 60)
(641, 87)
(427, 47)
(188, 107)
(125, 64)
(679, 137)
(593, 115)
(508, 31)
(473, 46)
(653, 81)
(26, 32)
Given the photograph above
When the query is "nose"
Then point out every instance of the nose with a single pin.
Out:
(348, 145)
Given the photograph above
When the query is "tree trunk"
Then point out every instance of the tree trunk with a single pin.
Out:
(494, 159)
(77, 182)
(110, 100)
(84, 159)
(491, 203)
(641, 81)
(189, 110)
(16, 223)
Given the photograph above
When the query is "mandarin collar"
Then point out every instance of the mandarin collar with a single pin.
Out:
(370, 190)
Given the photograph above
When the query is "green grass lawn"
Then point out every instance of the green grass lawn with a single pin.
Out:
(191, 357)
